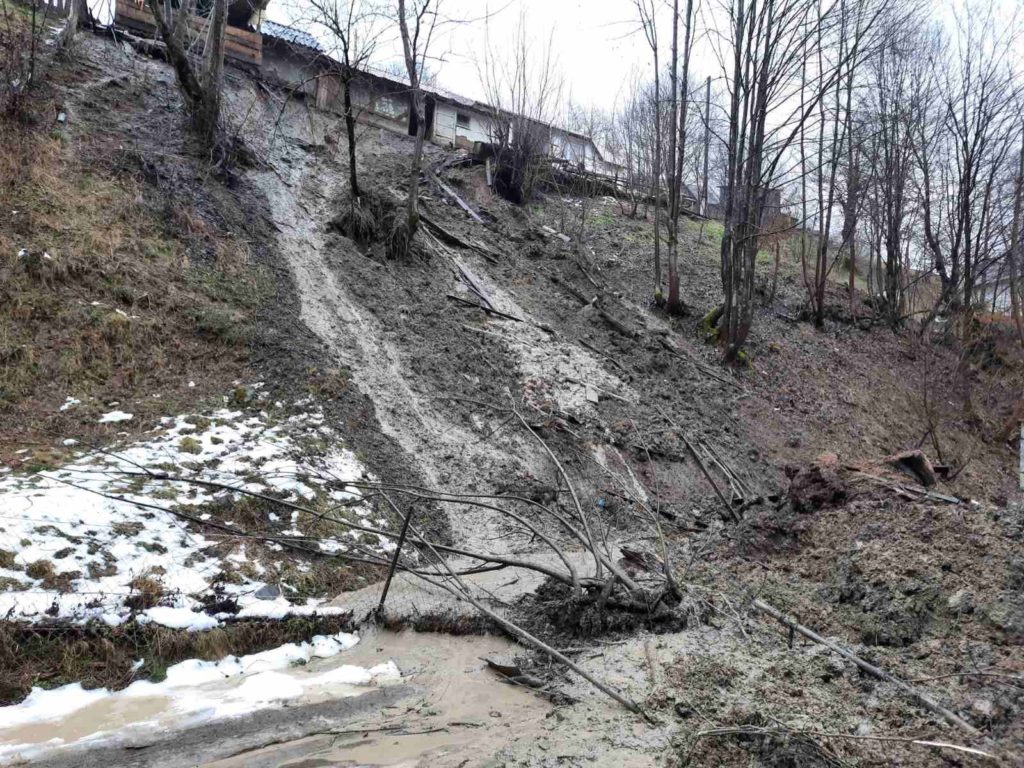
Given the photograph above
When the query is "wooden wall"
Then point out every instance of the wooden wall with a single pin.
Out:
(239, 44)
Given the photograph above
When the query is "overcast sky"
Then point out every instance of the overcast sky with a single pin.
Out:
(597, 41)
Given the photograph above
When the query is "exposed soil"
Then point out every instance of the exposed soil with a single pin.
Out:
(423, 388)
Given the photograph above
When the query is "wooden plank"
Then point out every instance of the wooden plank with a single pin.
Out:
(129, 11)
(245, 50)
(254, 39)
(239, 44)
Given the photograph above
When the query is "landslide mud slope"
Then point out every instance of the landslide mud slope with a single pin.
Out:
(421, 387)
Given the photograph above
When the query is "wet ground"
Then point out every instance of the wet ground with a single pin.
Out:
(418, 384)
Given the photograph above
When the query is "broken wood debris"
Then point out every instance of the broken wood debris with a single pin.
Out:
(448, 237)
(915, 693)
(454, 196)
(488, 310)
(910, 492)
(595, 302)
(547, 231)
(702, 367)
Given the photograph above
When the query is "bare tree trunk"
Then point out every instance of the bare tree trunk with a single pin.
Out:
(173, 37)
(1013, 255)
(202, 92)
(350, 135)
(659, 298)
(67, 36)
(409, 47)
(680, 102)
(853, 273)
(209, 117)
(649, 24)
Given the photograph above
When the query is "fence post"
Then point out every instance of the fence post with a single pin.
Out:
(394, 561)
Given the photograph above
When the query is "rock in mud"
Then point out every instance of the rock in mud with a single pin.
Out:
(1006, 611)
(961, 601)
(268, 592)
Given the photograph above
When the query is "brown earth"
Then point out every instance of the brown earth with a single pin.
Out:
(929, 590)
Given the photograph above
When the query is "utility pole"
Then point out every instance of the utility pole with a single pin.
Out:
(707, 147)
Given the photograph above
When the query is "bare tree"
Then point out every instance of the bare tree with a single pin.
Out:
(198, 80)
(962, 148)
(896, 101)
(1013, 253)
(417, 21)
(525, 93)
(767, 43)
(636, 127)
(679, 104)
(355, 28)
(836, 151)
(648, 22)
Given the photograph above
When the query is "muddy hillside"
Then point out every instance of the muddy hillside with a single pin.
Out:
(223, 420)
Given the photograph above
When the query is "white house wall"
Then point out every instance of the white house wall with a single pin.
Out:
(448, 133)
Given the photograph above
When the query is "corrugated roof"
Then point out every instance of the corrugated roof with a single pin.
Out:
(290, 35)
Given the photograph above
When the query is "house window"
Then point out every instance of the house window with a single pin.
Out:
(461, 120)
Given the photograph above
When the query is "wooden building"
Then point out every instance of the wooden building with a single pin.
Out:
(242, 43)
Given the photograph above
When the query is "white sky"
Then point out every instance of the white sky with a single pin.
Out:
(594, 39)
(599, 43)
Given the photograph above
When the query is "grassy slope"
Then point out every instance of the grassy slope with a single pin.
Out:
(125, 290)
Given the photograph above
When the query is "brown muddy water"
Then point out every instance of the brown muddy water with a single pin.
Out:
(460, 713)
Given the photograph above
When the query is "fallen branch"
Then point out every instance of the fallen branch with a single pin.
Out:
(454, 196)
(450, 238)
(471, 281)
(911, 492)
(703, 467)
(705, 369)
(464, 592)
(919, 696)
(488, 310)
(750, 730)
(607, 357)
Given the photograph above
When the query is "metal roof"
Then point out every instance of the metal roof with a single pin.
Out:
(290, 35)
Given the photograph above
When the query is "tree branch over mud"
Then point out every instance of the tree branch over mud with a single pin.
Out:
(562, 531)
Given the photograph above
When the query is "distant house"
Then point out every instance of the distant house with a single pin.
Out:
(460, 122)
(581, 150)
(453, 121)
(294, 59)
(773, 216)
(992, 290)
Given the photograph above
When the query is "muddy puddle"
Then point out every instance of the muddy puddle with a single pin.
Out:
(135, 717)
(459, 712)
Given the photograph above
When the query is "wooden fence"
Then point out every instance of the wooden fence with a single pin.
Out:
(239, 44)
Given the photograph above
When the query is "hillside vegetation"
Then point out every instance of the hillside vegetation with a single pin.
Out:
(506, 388)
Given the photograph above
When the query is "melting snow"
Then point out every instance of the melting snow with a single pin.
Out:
(179, 618)
(193, 692)
(115, 416)
(94, 548)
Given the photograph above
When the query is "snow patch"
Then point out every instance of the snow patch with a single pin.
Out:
(113, 417)
(194, 692)
(178, 618)
(100, 546)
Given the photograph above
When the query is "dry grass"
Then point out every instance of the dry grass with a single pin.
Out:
(98, 292)
(101, 656)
